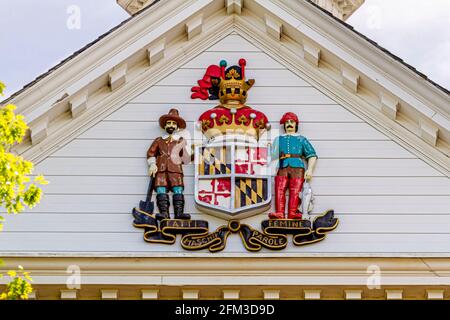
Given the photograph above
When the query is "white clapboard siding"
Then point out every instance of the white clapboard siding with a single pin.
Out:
(133, 243)
(307, 113)
(258, 95)
(314, 131)
(325, 167)
(255, 60)
(76, 222)
(343, 205)
(388, 201)
(234, 43)
(106, 148)
(322, 185)
(263, 78)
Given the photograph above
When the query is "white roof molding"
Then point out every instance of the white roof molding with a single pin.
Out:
(301, 19)
(156, 51)
(118, 76)
(383, 91)
(343, 42)
(234, 6)
(78, 103)
(350, 78)
(194, 26)
(273, 26)
(389, 104)
(311, 53)
(341, 9)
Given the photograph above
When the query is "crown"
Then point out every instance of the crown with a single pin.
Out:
(232, 87)
(221, 121)
(232, 116)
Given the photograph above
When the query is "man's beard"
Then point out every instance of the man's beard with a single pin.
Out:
(170, 130)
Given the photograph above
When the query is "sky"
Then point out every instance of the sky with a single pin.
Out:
(37, 35)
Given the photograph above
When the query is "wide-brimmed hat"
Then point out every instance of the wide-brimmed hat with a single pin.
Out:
(172, 115)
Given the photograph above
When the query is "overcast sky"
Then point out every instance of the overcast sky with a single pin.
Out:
(36, 35)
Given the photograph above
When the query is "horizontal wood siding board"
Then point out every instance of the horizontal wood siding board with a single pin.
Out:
(126, 243)
(343, 205)
(307, 113)
(255, 60)
(99, 223)
(327, 149)
(322, 185)
(233, 43)
(263, 78)
(325, 167)
(314, 131)
(280, 95)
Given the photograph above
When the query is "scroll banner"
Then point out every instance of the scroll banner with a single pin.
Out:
(196, 236)
(168, 229)
(253, 240)
(301, 230)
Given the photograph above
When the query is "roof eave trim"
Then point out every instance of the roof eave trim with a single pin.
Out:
(371, 54)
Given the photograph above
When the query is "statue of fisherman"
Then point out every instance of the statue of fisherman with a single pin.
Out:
(291, 148)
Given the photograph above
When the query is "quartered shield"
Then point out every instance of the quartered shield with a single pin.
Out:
(232, 178)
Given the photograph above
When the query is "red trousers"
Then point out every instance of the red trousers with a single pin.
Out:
(292, 178)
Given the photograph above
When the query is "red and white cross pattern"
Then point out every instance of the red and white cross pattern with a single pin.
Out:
(216, 192)
(251, 161)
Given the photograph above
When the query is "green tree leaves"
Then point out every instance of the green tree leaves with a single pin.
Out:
(16, 189)
(19, 287)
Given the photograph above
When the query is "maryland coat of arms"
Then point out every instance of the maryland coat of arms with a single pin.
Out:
(232, 174)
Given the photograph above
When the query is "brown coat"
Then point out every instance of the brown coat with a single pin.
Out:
(166, 156)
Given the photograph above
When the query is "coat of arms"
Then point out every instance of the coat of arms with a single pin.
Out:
(232, 174)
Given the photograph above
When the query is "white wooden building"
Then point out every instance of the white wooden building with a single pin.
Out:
(381, 131)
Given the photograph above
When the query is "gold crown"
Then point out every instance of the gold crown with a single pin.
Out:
(233, 88)
(222, 121)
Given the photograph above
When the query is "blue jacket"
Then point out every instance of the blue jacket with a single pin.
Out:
(292, 144)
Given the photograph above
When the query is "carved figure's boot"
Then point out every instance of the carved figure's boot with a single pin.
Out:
(163, 203)
(178, 207)
(280, 197)
(295, 186)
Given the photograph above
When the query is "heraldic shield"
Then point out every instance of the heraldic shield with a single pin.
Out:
(232, 177)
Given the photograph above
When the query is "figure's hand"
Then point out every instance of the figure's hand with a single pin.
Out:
(152, 170)
(308, 175)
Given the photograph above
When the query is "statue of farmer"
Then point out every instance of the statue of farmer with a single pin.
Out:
(291, 148)
(165, 158)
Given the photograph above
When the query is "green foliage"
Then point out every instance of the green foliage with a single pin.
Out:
(19, 287)
(2, 87)
(16, 189)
